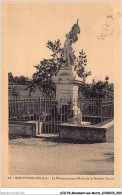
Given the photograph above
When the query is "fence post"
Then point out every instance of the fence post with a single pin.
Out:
(39, 117)
(101, 111)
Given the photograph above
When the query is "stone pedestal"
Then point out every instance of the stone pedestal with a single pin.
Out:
(67, 82)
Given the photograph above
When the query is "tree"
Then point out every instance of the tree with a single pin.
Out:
(81, 63)
(106, 78)
(100, 89)
(47, 68)
(22, 80)
(16, 80)
(10, 77)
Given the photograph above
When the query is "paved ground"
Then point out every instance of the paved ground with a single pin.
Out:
(37, 156)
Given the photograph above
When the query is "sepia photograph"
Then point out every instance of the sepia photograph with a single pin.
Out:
(60, 83)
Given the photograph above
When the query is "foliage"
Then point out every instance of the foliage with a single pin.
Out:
(81, 63)
(10, 77)
(47, 68)
(22, 80)
(100, 89)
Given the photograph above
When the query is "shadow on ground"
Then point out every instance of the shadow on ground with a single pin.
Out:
(71, 141)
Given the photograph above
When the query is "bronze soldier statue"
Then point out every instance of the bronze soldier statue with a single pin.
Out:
(71, 38)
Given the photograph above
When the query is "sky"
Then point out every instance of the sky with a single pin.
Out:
(31, 24)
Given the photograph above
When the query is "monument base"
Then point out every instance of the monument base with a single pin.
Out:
(83, 134)
(67, 82)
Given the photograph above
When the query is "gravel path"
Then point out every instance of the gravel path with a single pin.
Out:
(39, 156)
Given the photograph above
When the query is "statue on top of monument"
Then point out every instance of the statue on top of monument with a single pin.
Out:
(71, 38)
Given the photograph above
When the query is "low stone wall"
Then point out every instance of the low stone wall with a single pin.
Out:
(83, 134)
(110, 134)
(86, 134)
(22, 129)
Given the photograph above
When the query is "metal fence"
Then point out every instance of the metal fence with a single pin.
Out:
(97, 111)
(50, 112)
